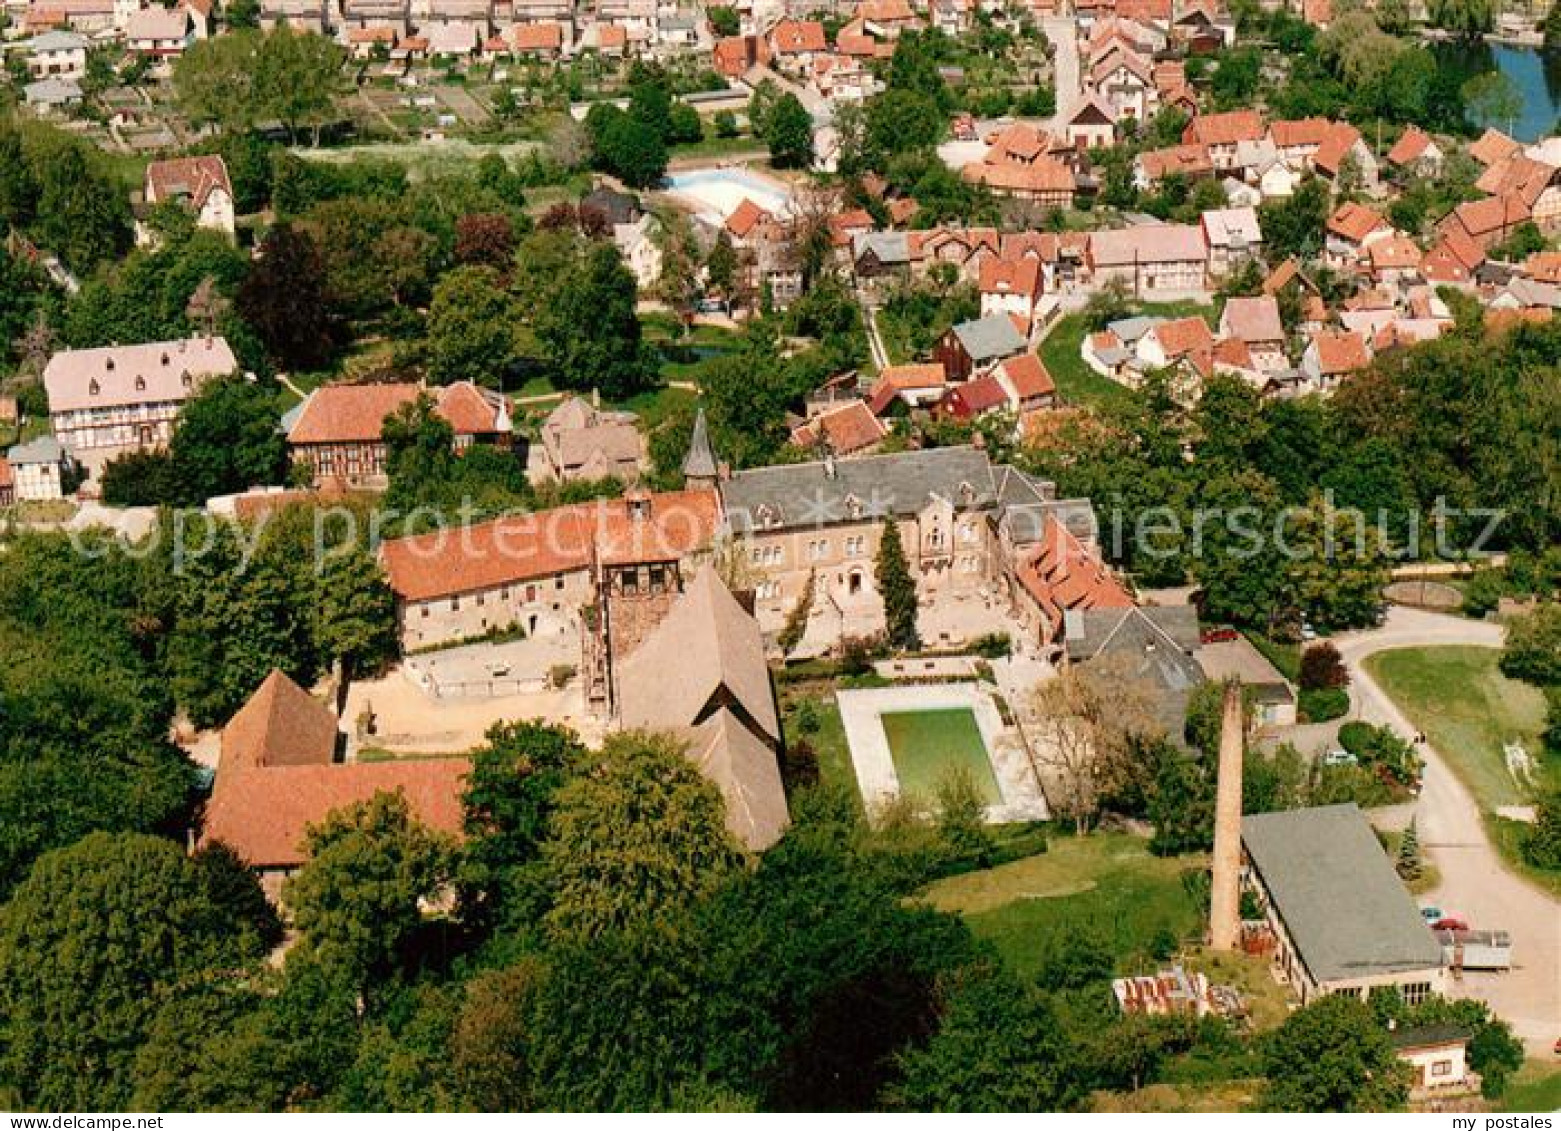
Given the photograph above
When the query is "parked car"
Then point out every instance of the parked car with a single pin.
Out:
(1430, 914)
(1307, 631)
(1339, 756)
(1450, 923)
(1220, 634)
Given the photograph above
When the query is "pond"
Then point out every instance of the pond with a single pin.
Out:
(1537, 78)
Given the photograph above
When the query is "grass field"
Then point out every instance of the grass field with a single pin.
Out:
(825, 735)
(1107, 884)
(1536, 1087)
(928, 745)
(1468, 709)
(1077, 382)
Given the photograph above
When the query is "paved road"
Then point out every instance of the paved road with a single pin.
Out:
(1474, 880)
(1063, 32)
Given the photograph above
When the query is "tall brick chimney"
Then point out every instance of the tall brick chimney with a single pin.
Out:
(1225, 898)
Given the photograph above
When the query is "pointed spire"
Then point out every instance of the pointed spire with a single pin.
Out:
(699, 466)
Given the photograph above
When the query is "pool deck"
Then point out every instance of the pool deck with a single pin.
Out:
(861, 714)
(713, 193)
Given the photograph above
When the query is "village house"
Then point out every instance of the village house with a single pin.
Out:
(540, 572)
(639, 244)
(57, 54)
(1438, 1058)
(900, 388)
(1333, 355)
(278, 774)
(1256, 324)
(1344, 149)
(38, 470)
(1220, 134)
(972, 349)
(337, 433)
(1341, 920)
(1234, 238)
(1123, 81)
(1057, 574)
(118, 398)
(849, 429)
(300, 15)
(1190, 162)
(1011, 287)
(1486, 222)
(1091, 124)
(1416, 154)
(199, 184)
(582, 442)
(1150, 257)
(1151, 646)
(1350, 231)
(159, 33)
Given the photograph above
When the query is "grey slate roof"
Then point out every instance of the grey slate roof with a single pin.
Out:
(1151, 646)
(1131, 329)
(803, 495)
(990, 338)
(887, 247)
(700, 462)
(44, 449)
(1332, 885)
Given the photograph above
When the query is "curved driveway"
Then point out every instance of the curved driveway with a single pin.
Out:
(1474, 880)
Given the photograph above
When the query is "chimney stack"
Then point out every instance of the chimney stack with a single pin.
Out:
(1225, 898)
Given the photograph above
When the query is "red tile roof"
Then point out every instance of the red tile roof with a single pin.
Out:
(1492, 146)
(1335, 147)
(1340, 351)
(538, 37)
(336, 414)
(263, 814)
(1182, 336)
(1027, 376)
(1410, 146)
(1183, 160)
(532, 546)
(1543, 266)
(795, 37)
(1224, 129)
(1045, 176)
(1011, 277)
(745, 218)
(1491, 216)
(1355, 222)
(193, 177)
(1253, 319)
(850, 428)
(1061, 575)
(972, 398)
(1294, 132)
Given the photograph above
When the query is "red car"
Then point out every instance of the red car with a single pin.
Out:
(1450, 923)
(1218, 635)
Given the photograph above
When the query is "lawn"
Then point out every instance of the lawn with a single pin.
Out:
(1536, 1087)
(1468, 710)
(1076, 382)
(929, 745)
(818, 724)
(1107, 884)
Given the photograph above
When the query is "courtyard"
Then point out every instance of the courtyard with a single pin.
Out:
(906, 741)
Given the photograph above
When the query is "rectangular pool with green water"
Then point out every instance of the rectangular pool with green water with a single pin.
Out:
(926, 745)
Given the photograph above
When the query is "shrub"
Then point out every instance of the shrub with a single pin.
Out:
(1323, 667)
(1322, 704)
(993, 646)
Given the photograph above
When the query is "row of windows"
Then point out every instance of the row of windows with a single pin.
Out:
(481, 599)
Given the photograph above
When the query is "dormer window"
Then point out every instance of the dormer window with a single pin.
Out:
(853, 506)
(165, 359)
(767, 516)
(140, 383)
(93, 388)
(109, 365)
(967, 493)
(184, 378)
